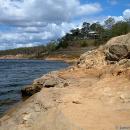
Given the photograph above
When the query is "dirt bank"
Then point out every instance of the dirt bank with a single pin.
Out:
(67, 59)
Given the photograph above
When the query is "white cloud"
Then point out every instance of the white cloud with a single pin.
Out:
(21, 36)
(117, 18)
(48, 11)
(126, 14)
(88, 9)
(23, 45)
(38, 21)
(30, 29)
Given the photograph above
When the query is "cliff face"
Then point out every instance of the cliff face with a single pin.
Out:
(94, 94)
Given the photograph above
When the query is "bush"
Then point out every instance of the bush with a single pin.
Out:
(83, 44)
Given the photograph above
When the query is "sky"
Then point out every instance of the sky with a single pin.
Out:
(26, 23)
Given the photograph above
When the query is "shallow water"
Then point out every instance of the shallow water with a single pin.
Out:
(16, 74)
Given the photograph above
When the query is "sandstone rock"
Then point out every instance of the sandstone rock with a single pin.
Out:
(76, 102)
(46, 81)
(123, 61)
(117, 52)
(30, 90)
(50, 83)
(127, 64)
(120, 40)
(125, 97)
(92, 59)
(55, 82)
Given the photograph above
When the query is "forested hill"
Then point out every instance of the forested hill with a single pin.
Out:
(88, 35)
(24, 50)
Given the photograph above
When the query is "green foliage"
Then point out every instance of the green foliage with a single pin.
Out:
(51, 46)
(97, 27)
(120, 28)
(24, 51)
(82, 38)
(84, 44)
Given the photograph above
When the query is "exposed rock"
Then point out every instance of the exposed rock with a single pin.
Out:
(117, 52)
(30, 90)
(76, 102)
(47, 81)
(123, 61)
(50, 83)
(118, 48)
(125, 97)
(55, 82)
(120, 40)
(92, 59)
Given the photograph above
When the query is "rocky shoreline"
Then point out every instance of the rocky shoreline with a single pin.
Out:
(19, 56)
(69, 60)
(96, 87)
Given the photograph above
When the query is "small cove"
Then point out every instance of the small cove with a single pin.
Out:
(16, 74)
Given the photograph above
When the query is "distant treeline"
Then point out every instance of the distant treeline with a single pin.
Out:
(25, 50)
(35, 52)
(93, 34)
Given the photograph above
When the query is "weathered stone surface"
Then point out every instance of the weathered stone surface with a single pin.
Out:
(55, 82)
(123, 61)
(120, 40)
(117, 52)
(30, 90)
(52, 82)
(39, 112)
(118, 48)
(46, 81)
(91, 59)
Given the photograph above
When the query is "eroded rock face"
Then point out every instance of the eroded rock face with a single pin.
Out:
(120, 40)
(95, 58)
(30, 90)
(118, 48)
(117, 52)
(46, 81)
(39, 112)
(50, 83)
(55, 82)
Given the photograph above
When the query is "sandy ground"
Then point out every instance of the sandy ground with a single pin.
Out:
(97, 104)
(90, 102)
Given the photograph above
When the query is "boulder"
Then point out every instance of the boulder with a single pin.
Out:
(117, 52)
(120, 40)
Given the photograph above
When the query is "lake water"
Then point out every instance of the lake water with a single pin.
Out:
(16, 74)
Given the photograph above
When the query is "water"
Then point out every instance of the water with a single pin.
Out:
(15, 74)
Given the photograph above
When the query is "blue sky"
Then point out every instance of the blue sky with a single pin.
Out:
(111, 7)
(26, 23)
